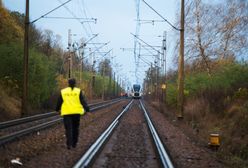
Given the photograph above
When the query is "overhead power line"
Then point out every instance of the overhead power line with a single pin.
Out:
(136, 59)
(57, 17)
(51, 11)
(146, 43)
(83, 10)
(97, 49)
(149, 21)
(84, 27)
(91, 38)
(75, 17)
(161, 16)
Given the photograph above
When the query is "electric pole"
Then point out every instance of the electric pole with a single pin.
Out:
(164, 83)
(109, 85)
(80, 68)
(103, 84)
(152, 91)
(114, 85)
(92, 81)
(180, 97)
(69, 54)
(25, 62)
(117, 87)
(157, 76)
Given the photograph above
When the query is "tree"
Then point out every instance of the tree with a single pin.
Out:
(215, 32)
(10, 31)
(233, 29)
(105, 68)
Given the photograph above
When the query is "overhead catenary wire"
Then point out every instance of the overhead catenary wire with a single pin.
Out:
(152, 54)
(86, 31)
(174, 27)
(145, 48)
(87, 42)
(97, 49)
(59, 17)
(149, 21)
(75, 17)
(82, 7)
(135, 40)
(105, 53)
(83, 10)
(50, 11)
(146, 43)
(145, 61)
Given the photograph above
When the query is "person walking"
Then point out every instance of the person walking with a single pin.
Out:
(71, 104)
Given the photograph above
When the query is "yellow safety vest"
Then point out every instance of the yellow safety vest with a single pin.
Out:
(71, 102)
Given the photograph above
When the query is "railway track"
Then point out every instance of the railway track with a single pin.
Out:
(129, 141)
(11, 130)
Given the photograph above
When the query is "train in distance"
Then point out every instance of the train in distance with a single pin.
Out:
(136, 91)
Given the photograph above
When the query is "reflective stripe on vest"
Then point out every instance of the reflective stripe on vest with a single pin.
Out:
(71, 101)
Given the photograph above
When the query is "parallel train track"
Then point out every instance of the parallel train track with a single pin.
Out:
(11, 130)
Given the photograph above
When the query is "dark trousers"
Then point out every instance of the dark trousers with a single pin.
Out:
(71, 123)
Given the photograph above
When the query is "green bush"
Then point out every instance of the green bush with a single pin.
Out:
(229, 80)
(42, 76)
(41, 72)
(241, 93)
(226, 79)
(171, 94)
(196, 83)
(103, 83)
(223, 83)
(11, 64)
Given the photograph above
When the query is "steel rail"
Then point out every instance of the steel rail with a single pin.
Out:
(166, 162)
(10, 137)
(105, 105)
(90, 153)
(10, 123)
(103, 102)
(7, 138)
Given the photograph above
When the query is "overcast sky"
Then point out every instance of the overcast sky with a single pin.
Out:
(115, 22)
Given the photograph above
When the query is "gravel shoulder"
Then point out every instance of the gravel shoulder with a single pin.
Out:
(185, 153)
